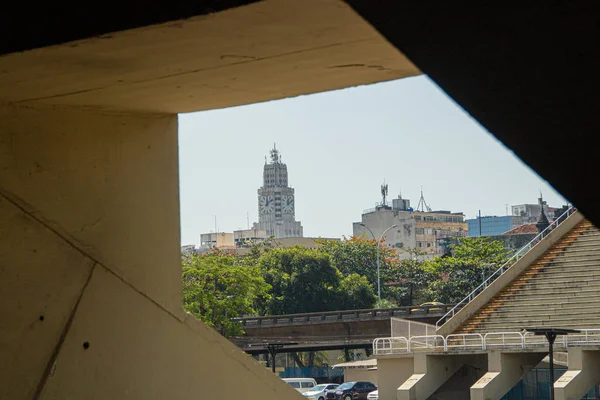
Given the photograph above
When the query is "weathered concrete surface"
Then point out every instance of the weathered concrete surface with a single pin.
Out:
(353, 329)
(264, 51)
(90, 266)
(513, 272)
(504, 371)
(392, 372)
(430, 373)
(582, 375)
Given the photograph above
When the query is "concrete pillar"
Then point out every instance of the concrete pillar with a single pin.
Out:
(430, 373)
(505, 370)
(391, 373)
(90, 274)
(582, 375)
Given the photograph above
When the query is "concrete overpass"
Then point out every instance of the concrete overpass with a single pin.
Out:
(331, 330)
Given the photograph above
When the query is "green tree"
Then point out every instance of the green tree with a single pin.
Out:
(355, 292)
(218, 286)
(303, 280)
(357, 255)
(412, 277)
(472, 260)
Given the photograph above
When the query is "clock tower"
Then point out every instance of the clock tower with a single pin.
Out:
(276, 203)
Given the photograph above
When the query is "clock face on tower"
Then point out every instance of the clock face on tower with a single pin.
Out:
(287, 204)
(266, 204)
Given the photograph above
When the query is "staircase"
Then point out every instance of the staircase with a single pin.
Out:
(560, 289)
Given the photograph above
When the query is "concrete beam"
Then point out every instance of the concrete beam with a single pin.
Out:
(582, 375)
(391, 373)
(505, 370)
(430, 373)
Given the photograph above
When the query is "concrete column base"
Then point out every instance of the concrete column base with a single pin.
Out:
(391, 373)
(582, 375)
(430, 373)
(505, 370)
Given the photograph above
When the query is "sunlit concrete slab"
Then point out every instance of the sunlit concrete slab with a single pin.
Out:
(505, 370)
(392, 372)
(262, 51)
(582, 375)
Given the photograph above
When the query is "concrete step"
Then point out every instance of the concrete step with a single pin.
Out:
(544, 305)
(550, 313)
(557, 281)
(551, 290)
(568, 274)
(558, 319)
(549, 301)
(545, 297)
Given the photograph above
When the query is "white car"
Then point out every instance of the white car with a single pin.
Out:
(319, 392)
(374, 395)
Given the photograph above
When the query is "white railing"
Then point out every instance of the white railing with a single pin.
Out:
(394, 345)
(427, 343)
(464, 341)
(478, 342)
(516, 257)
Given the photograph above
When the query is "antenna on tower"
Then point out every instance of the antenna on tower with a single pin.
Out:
(384, 193)
(275, 154)
(422, 206)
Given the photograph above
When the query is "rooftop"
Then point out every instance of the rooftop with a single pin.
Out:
(522, 229)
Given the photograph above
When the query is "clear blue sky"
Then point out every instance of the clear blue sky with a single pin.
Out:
(339, 147)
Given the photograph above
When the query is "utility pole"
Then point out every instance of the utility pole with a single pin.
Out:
(479, 223)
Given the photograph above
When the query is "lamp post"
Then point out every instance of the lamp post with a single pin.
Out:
(551, 334)
(378, 268)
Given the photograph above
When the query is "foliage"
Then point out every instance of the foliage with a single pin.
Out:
(359, 256)
(472, 260)
(218, 286)
(303, 280)
(355, 293)
(412, 277)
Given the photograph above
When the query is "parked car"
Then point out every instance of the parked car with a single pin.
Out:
(351, 391)
(301, 384)
(319, 392)
(429, 304)
(374, 395)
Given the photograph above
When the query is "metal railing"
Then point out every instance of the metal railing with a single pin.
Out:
(346, 315)
(500, 271)
(477, 342)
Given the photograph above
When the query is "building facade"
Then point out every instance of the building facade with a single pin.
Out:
(219, 240)
(412, 229)
(276, 201)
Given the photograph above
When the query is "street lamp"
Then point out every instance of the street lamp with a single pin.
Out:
(551, 334)
(378, 244)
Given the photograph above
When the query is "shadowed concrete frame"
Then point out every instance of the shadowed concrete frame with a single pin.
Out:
(89, 205)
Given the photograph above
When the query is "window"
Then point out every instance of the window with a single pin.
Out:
(307, 384)
(419, 231)
(295, 385)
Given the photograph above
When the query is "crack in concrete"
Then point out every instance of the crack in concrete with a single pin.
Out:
(248, 60)
(51, 365)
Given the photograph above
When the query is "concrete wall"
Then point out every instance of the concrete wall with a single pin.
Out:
(514, 271)
(391, 373)
(360, 374)
(90, 270)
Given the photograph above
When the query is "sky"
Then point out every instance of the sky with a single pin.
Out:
(339, 147)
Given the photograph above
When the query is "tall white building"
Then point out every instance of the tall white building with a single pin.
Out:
(276, 202)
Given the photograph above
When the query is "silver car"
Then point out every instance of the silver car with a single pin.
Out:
(319, 392)
(374, 395)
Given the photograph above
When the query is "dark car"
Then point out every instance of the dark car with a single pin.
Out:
(351, 391)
